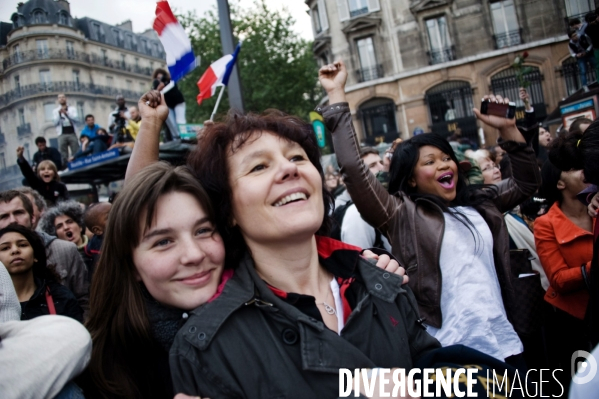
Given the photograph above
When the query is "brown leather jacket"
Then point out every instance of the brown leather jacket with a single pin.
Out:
(415, 228)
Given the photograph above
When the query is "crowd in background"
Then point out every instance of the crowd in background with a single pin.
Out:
(242, 274)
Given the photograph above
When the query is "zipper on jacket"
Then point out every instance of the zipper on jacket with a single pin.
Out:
(257, 302)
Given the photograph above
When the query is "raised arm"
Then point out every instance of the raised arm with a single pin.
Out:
(372, 200)
(154, 112)
(28, 173)
(526, 177)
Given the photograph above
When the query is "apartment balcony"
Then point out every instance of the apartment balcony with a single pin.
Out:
(65, 87)
(508, 39)
(24, 130)
(360, 11)
(372, 73)
(439, 56)
(37, 55)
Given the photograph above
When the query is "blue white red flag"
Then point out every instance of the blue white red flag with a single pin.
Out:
(179, 54)
(217, 74)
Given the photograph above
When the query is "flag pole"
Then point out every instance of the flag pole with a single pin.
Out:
(220, 95)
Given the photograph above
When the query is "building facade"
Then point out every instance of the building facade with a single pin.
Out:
(44, 52)
(426, 63)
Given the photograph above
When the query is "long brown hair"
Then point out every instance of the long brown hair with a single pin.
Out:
(121, 364)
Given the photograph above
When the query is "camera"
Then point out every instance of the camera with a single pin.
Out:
(498, 109)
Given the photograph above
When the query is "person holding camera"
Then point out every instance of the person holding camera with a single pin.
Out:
(118, 118)
(174, 101)
(64, 118)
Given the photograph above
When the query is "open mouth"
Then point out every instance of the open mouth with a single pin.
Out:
(295, 197)
(69, 234)
(446, 180)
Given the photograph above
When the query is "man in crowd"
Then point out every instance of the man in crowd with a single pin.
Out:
(65, 118)
(581, 49)
(46, 153)
(91, 128)
(354, 230)
(134, 122)
(16, 208)
(38, 202)
(119, 116)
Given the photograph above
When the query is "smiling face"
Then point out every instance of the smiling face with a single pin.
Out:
(435, 173)
(277, 191)
(67, 229)
(46, 173)
(180, 257)
(491, 171)
(16, 253)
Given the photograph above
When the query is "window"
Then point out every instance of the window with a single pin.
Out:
(128, 40)
(578, 8)
(21, 113)
(48, 108)
(42, 48)
(352, 8)
(505, 23)
(123, 64)
(368, 67)
(45, 79)
(450, 105)
(76, 80)
(104, 57)
(97, 29)
(2, 161)
(378, 120)
(506, 84)
(110, 81)
(440, 45)
(27, 153)
(39, 17)
(70, 50)
(142, 87)
(156, 50)
(63, 18)
(144, 46)
(16, 53)
(80, 110)
(319, 17)
(117, 36)
(17, 83)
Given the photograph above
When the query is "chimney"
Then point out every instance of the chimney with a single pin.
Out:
(64, 4)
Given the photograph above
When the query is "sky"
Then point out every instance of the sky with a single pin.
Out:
(141, 12)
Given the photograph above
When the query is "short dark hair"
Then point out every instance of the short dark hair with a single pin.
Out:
(590, 17)
(550, 175)
(571, 33)
(578, 150)
(40, 139)
(367, 151)
(574, 21)
(209, 162)
(159, 71)
(9, 195)
(89, 116)
(575, 126)
(40, 202)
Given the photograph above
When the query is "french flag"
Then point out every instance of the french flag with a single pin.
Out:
(179, 55)
(217, 74)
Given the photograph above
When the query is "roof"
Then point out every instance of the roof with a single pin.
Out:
(111, 170)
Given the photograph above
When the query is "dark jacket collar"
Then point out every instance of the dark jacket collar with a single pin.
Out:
(246, 288)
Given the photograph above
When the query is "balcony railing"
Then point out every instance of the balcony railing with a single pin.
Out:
(65, 87)
(35, 55)
(571, 17)
(372, 73)
(507, 39)
(439, 56)
(360, 11)
(24, 129)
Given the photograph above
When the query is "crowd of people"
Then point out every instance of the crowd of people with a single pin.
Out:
(253, 272)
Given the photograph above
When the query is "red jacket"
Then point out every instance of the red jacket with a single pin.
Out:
(563, 248)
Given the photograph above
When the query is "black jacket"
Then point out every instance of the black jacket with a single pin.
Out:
(250, 343)
(65, 302)
(51, 154)
(52, 192)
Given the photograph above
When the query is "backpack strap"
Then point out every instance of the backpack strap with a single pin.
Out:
(50, 301)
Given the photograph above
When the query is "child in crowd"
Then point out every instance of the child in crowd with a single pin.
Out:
(95, 218)
(46, 182)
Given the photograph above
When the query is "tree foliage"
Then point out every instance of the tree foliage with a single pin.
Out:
(277, 68)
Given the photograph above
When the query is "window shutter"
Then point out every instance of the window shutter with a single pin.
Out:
(322, 12)
(343, 10)
(374, 5)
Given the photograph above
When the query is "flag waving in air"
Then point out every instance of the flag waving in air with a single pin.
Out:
(179, 55)
(217, 74)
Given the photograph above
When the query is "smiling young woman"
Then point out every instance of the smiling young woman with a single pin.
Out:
(450, 236)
